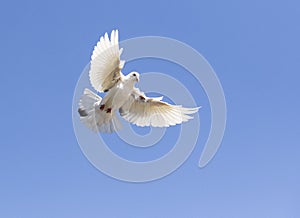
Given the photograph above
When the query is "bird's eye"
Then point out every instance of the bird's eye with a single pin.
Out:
(134, 74)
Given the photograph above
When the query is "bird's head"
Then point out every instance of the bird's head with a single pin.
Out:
(135, 76)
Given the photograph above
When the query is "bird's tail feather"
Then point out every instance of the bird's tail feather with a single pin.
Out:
(94, 118)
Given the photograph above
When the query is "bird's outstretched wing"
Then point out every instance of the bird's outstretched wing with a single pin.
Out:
(144, 111)
(105, 69)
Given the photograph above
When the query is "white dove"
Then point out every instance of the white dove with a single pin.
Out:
(133, 105)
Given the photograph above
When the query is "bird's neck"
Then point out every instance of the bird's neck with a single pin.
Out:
(129, 83)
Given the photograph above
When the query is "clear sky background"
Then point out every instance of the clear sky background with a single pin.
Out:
(253, 47)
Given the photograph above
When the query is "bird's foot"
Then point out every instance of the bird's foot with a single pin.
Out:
(142, 98)
(102, 107)
(108, 110)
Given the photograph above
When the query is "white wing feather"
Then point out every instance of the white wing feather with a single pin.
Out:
(105, 69)
(143, 111)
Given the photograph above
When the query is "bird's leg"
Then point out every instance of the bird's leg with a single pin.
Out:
(102, 107)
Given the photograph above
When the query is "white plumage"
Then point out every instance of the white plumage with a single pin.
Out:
(133, 105)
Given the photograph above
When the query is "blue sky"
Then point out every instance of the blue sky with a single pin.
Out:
(253, 47)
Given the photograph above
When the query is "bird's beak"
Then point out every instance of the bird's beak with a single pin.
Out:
(137, 78)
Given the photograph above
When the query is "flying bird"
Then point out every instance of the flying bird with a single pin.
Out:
(100, 114)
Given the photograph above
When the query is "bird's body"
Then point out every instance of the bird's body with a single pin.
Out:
(133, 105)
(119, 94)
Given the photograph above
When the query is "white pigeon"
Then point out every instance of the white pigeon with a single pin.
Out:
(133, 105)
